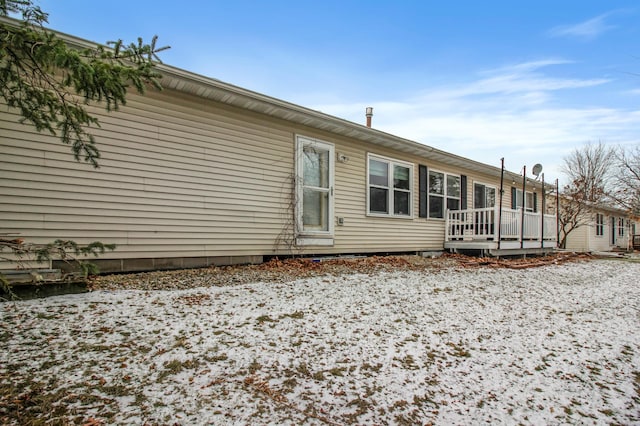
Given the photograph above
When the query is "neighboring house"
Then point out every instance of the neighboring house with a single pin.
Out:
(205, 172)
(607, 228)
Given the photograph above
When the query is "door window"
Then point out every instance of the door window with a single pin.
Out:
(315, 186)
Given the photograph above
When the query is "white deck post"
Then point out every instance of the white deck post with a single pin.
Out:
(447, 231)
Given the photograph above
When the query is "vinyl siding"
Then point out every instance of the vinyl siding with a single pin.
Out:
(184, 177)
(177, 179)
(578, 239)
(585, 239)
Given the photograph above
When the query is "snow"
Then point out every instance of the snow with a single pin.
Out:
(548, 345)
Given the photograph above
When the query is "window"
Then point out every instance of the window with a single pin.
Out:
(444, 192)
(621, 227)
(390, 186)
(453, 192)
(529, 200)
(599, 224)
(483, 196)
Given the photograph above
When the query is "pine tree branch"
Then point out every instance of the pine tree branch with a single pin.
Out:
(41, 76)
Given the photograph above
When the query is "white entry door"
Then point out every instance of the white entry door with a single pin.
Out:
(314, 187)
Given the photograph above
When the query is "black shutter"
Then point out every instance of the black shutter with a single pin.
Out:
(514, 194)
(463, 192)
(423, 195)
(535, 202)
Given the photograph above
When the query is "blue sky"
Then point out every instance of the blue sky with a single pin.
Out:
(524, 80)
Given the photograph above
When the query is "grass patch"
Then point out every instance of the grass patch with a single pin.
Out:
(361, 405)
(303, 369)
(408, 362)
(181, 342)
(254, 366)
(458, 350)
(337, 371)
(213, 356)
(31, 403)
(114, 390)
(264, 318)
(369, 367)
(290, 383)
(175, 366)
(295, 315)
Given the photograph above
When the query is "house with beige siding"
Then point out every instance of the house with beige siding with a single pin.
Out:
(605, 228)
(208, 173)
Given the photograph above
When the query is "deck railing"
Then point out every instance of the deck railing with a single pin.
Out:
(482, 224)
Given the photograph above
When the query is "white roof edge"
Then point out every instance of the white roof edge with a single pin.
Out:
(608, 207)
(357, 129)
(361, 132)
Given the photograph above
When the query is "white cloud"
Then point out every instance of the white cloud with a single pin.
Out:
(586, 30)
(510, 112)
(522, 78)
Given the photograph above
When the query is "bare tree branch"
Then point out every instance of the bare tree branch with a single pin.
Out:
(589, 173)
(626, 188)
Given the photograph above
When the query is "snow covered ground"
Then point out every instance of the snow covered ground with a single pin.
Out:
(549, 345)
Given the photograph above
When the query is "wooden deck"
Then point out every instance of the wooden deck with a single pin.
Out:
(499, 233)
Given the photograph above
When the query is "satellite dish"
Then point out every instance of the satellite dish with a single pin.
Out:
(537, 169)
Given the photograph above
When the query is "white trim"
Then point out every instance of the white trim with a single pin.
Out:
(303, 241)
(390, 187)
(301, 142)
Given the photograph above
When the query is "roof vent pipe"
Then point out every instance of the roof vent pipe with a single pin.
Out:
(369, 114)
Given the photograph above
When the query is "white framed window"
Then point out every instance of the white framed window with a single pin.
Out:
(484, 196)
(444, 193)
(389, 187)
(529, 204)
(314, 186)
(621, 227)
(599, 224)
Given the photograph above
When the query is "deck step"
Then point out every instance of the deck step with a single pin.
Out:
(31, 276)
